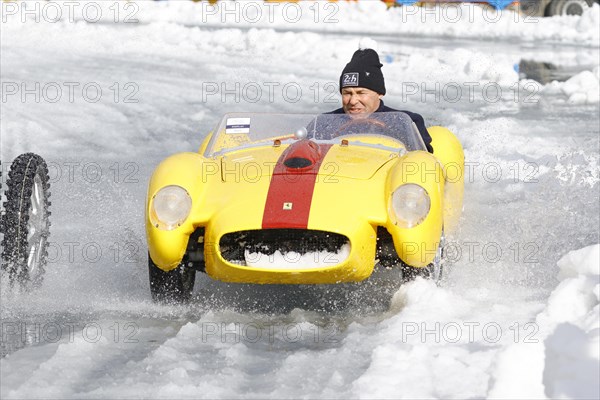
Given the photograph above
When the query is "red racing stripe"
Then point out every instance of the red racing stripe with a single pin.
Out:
(291, 190)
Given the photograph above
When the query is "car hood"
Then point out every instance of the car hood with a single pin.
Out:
(306, 157)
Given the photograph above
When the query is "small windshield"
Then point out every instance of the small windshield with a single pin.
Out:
(237, 131)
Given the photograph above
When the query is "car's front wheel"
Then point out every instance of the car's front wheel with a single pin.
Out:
(171, 287)
(433, 271)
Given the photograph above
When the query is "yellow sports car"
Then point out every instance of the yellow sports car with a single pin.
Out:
(302, 199)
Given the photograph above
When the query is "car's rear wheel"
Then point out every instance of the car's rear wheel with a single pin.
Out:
(171, 287)
(26, 224)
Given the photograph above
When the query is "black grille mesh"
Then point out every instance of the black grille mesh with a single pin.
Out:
(268, 241)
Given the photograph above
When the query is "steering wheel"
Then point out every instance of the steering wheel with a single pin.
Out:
(358, 122)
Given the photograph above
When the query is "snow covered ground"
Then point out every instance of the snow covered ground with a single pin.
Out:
(517, 315)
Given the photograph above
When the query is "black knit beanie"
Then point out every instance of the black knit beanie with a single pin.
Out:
(363, 70)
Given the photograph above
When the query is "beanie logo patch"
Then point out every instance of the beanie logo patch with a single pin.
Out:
(350, 79)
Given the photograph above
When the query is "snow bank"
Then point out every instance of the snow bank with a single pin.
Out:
(425, 346)
(450, 20)
(584, 261)
(564, 362)
(372, 17)
(575, 299)
(583, 88)
(572, 363)
(513, 378)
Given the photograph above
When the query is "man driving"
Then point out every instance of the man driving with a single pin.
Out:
(362, 86)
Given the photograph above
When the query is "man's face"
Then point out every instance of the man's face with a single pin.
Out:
(360, 102)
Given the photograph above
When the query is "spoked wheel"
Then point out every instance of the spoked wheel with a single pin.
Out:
(26, 221)
(172, 287)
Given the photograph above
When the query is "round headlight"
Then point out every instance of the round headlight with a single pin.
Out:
(410, 205)
(170, 207)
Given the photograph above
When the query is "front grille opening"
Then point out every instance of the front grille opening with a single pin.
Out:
(284, 248)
